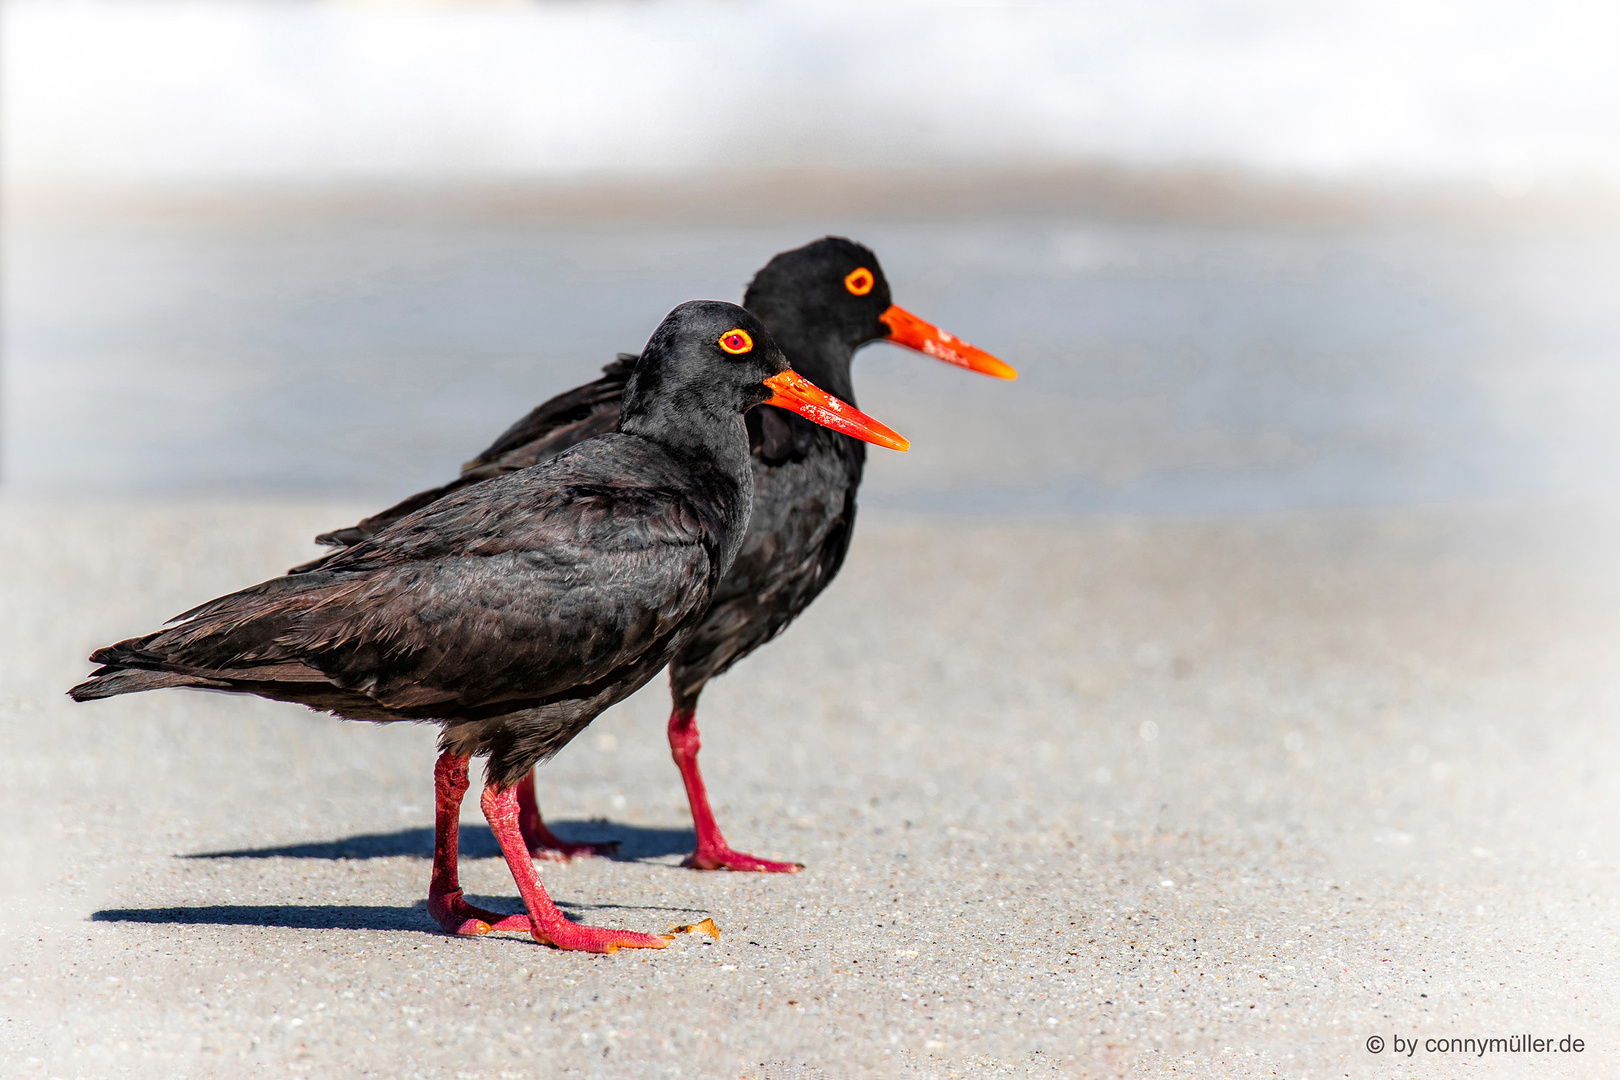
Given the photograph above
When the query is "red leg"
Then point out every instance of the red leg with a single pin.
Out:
(547, 924)
(713, 853)
(541, 841)
(445, 904)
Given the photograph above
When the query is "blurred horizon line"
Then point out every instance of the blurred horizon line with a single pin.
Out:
(1100, 190)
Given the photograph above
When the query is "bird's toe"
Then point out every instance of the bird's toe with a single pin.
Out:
(726, 859)
(573, 937)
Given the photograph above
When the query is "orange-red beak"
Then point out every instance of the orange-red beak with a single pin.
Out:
(794, 392)
(908, 330)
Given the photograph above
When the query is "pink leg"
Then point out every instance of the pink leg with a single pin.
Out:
(547, 924)
(713, 853)
(445, 904)
(541, 841)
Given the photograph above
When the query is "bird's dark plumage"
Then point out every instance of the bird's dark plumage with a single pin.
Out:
(821, 302)
(512, 611)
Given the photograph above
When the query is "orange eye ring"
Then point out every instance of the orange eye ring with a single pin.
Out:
(736, 341)
(859, 281)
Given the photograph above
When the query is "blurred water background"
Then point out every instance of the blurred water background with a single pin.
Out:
(1247, 256)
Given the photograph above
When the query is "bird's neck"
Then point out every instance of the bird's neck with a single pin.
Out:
(694, 434)
(710, 454)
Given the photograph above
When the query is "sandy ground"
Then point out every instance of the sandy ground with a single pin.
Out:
(1077, 798)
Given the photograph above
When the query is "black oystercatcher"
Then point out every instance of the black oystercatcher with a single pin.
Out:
(820, 302)
(515, 611)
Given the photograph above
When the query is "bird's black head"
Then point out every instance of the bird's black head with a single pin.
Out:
(827, 299)
(831, 290)
(707, 364)
(707, 356)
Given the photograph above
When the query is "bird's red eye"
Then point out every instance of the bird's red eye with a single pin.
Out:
(859, 281)
(736, 341)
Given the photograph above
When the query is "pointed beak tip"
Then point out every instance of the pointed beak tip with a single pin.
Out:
(880, 435)
(907, 330)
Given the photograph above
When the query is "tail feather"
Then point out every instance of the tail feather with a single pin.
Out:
(200, 651)
(124, 654)
(112, 681)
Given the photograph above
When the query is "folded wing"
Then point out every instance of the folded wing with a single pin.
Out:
(531, 586)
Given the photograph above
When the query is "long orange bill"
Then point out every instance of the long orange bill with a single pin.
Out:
(908, 330)
(794, 392)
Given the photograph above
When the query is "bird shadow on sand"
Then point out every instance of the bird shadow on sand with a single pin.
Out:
(342, 916)
(477, 842)
(283, 916)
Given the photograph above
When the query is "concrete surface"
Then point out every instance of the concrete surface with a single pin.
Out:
(1085, 797)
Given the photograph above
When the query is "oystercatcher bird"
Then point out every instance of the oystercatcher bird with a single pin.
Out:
(821, 303)
(515, 611)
